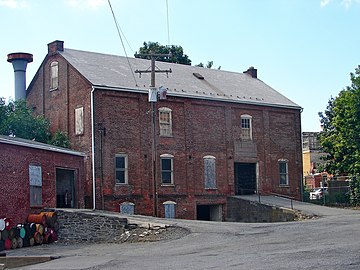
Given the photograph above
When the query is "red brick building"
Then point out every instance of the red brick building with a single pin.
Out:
(36, 175)
(217, 134)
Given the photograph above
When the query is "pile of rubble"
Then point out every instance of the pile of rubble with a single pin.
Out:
(150, 233)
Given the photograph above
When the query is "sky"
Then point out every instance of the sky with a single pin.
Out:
(304, 49)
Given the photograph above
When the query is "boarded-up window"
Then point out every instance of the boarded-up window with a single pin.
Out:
(165, 121)
(127, 208)
(79, 121)
(35, 181)
(54, 75)
(209, 172)
(169, 208)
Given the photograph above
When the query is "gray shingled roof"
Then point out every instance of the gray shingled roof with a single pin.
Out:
(37, 145)
(111, 71)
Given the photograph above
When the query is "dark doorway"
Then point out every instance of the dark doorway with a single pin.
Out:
(65, 189)
(245, 178)
(212, 212)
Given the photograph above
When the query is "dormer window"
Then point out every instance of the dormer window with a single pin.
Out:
(54, 75)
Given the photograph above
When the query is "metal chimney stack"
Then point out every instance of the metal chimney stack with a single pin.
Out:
(19, 61)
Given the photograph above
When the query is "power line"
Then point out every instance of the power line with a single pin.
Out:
(119, 33)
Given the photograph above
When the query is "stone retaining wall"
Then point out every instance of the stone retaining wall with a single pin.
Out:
(239, 210)
(90, 226)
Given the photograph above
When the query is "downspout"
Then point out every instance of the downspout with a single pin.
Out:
(93, 145)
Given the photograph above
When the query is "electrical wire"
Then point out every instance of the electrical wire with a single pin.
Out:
(122, 43)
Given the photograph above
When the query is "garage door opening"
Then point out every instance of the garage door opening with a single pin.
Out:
(212, 212)
(245, 178)
(65, 189)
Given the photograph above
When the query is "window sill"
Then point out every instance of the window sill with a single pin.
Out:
(53, 89)
(284, 186)
(167, 185)
(211, 188)
(166, 136)
(121, 184)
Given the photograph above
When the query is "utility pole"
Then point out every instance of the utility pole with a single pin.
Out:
(153, 70)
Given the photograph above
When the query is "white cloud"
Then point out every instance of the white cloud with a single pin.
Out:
(323, 3)
(14, 3)
(92, 4)
(345, 3)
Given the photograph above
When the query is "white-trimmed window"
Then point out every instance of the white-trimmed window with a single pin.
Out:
(165, 121)
(167, 169)
(121, 169)
(54, 75)
(283, 172)
(210, 172)
(246, 127)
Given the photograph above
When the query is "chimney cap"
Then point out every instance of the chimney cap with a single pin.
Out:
(20, 56)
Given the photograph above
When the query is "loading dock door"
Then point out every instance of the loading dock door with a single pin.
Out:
(212, 212)
(245, 178)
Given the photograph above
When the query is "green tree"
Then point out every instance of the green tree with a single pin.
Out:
(340, 137)
(17, 119)
(208, 65)
(177, 53)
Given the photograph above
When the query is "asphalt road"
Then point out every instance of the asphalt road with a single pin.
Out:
(330, 242)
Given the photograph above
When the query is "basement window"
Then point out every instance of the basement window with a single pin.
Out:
(209, 172)
(54, 75)
(121, 169)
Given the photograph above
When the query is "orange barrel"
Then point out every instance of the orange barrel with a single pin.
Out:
(31, 241)
(14, 243)
(2, 224)
(37, 218)
(7, 223)
(20, 242)
(40, 228)
(7, 244)
(4, 235)
(51, 217)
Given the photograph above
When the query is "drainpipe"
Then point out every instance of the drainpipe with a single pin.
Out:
(93, 145)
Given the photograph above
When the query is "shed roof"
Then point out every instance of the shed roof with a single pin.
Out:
(114, 72)
(37, 145)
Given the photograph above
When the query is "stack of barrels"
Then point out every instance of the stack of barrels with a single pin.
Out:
(39, 229)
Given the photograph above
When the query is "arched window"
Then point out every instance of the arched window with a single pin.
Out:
(169, 209)
(209, 172)
(246, 127)
(54, 75)
(167, 167)
(165, 121)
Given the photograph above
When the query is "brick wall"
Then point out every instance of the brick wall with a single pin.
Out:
(200, 127)
(15, 188)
